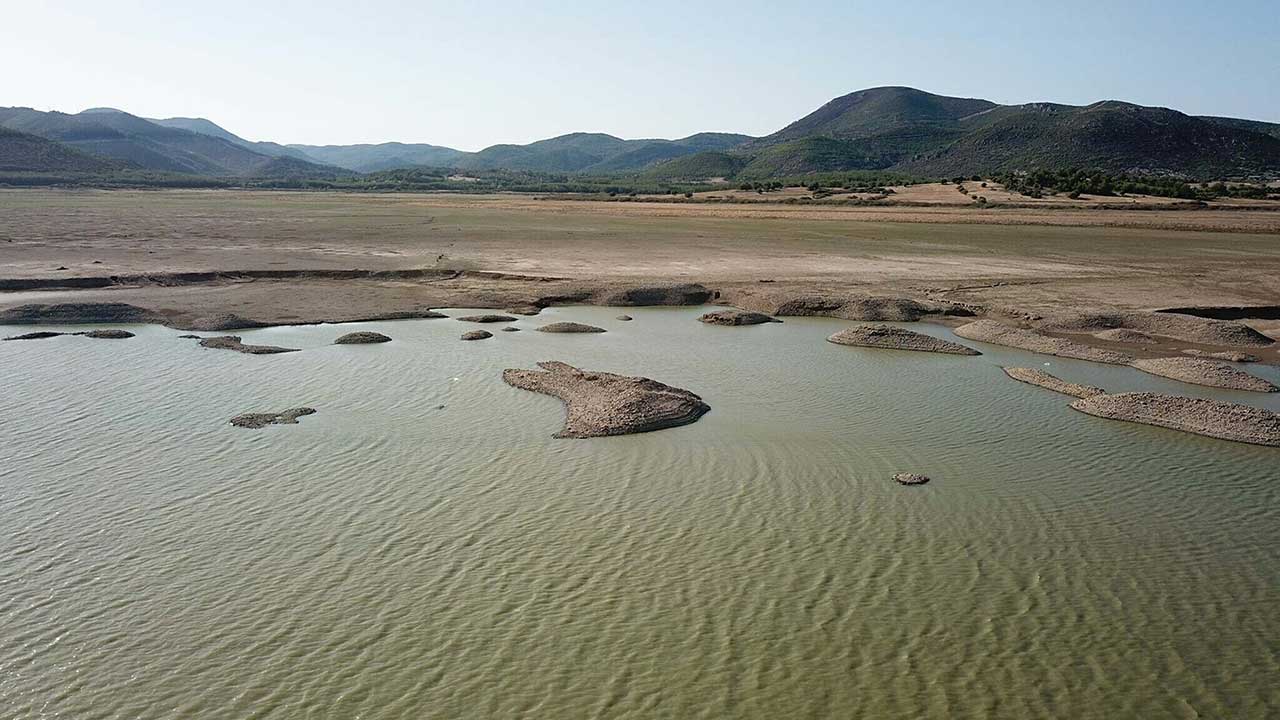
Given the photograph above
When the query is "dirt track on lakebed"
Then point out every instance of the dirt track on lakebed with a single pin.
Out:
(278, 258)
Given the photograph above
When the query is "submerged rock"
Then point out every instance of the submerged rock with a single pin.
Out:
(736, 317)
(362, 338)
(910, 479)
(624, 318)
(570, 327)
(510, 328)
(232, 342)
(109, 334)
(896, 338)
(1211, 418)
(489, 318)
(1204, 372)
(600, 404)
(476, 335)
(1043, 379)
(190, 337)
(1000, 334)
(261, 420)
(42, 335)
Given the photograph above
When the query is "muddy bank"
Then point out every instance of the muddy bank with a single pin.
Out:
(896, 338)
(1000, 334)
(570, 327)
(362, 338)
(1227, 355)
(1202, 331)
(844, 306)
(1211, 418)
(260, 420)
(600, 404)
(1125, 335)
(1198, 371)
(736, 317)
(232, 342)
(1043, 379)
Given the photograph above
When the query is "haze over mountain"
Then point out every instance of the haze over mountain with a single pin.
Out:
(887, 128)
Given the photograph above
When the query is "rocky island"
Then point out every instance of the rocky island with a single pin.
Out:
(889, 337)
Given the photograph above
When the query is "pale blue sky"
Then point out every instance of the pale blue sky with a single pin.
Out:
(469, 75)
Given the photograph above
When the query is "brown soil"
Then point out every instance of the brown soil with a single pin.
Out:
(1198, 371)
(1211, 418)
(599, 404)
(1043, 379)
(1227, 355)
(1125, 335)
(896, 338)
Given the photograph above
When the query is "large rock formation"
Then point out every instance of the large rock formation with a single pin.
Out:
(1211, 418)
(570, 327)
(1043, 379)
(1198, 371)
(363, 337)
(895, 338)
(232, 342)
(1000, 334)
(261, 420)
(599, 404)
(736, 317)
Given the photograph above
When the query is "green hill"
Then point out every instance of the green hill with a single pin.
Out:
(382, 156)
(22, 152)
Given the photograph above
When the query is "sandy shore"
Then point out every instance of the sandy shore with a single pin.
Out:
(1211, 418)
(219, 261)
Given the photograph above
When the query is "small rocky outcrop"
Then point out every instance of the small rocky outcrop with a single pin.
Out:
(220, 322)
(624, 318)
(895, 338)
(599, 404)
(362, 338)
(1210, 418)
(260, 420)
(1043, 379)
(76, 313)
(42, 335)
(232, 342)
(570, 327)
(110, 334)
(673, 294)
(1227, 355)
(190, 337)
(1000, 334)
(910, 479)
(1198, 371)
(737, 317)
(1125, 335)
(487, 318)
(476, 335)
(511, 328)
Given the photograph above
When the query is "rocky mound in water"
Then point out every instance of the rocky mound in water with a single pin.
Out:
(511, 328)
(488, 318)
(673, 294)
(1125, 335)
(910, 479)
(736, 317)
(1204, 372)
(261, 420)
(1211, 418)
(362, 338)
(896, 338)
(76, 313)
(1043, 379)
(1203, 331)
(871, 308)
(598, 404)
(1001, 334)
(624, 318)
(96, 334)
(220, 322)
(1228, 355)
(570, 327)
(232, 342)
(476, 335)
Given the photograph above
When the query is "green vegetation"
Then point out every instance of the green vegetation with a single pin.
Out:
(1075, 183)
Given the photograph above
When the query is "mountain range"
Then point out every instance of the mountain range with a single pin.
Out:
(895, 129)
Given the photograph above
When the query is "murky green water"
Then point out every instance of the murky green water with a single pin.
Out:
(392, 558)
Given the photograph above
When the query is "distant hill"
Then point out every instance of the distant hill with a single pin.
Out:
(911, 131)
(208, 127)
(114, 134)
(22, 152)
(383, 156)
(594, 153)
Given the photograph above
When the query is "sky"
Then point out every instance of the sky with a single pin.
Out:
(472, 74)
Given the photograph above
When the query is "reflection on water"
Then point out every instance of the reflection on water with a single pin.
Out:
(422, 547)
